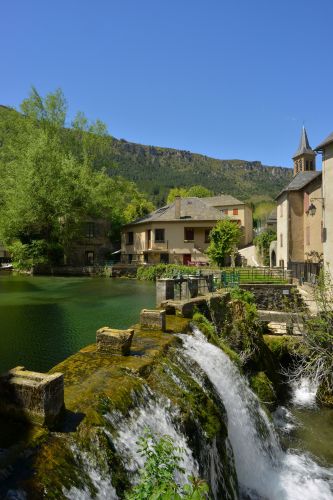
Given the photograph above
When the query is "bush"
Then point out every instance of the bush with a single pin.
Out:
(152, 273)
(157, 477)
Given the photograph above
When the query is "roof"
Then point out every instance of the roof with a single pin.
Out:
(190, 209)
(304, 146)
(222, 200)
(300, 181)
(327, 141)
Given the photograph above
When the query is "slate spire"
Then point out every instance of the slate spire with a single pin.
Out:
(305, 157)
(304, 146)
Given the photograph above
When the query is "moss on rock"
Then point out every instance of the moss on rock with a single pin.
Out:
(264, 389)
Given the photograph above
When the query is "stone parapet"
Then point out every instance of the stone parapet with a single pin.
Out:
(111, 341)
(34, 397)
(153, 319)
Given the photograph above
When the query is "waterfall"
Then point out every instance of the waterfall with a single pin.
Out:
(101, 482)
(264, 471)
(158, 416)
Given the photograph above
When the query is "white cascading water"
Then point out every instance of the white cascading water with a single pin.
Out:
(264, 470)
(157, 417)
(102, 482)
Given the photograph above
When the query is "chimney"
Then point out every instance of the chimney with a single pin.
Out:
(177, 207)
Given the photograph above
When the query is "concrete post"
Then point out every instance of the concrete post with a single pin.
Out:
(164, 290)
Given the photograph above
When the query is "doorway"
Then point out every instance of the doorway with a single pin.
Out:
(186, 258)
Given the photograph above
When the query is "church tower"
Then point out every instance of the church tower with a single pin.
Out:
(305, 157)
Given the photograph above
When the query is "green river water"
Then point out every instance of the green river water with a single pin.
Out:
(43, 320)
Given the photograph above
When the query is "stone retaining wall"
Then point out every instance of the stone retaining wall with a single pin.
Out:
(275, 297)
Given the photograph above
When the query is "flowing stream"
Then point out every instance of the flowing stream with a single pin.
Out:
(264, 470)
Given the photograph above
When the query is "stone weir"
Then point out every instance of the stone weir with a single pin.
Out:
(125, 373)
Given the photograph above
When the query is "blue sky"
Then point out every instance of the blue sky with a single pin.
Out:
(229, 79)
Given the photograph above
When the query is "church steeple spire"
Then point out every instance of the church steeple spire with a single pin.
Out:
(305, 157)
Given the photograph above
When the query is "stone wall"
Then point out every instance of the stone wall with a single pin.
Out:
(275, 296)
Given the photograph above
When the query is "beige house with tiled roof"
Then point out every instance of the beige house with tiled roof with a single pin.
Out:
(178, 232)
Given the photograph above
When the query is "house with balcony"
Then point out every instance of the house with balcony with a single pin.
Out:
(178, 233)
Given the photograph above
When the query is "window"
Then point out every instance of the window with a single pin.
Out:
(235, 211)
(90, 229)
(129, 238)
(307, 165)
(225, 211)
(188, 233)
(307, 235)
(281, 240)
(207, 232)
(159, 235)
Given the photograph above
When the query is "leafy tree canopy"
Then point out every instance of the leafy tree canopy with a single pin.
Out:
(224, 239)
(193, 191)
(51, 182)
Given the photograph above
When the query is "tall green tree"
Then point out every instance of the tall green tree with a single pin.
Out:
(224, 239)
(52, 179)
(51, 109)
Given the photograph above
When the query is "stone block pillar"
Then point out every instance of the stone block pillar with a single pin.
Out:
(193, 287)
(165, 290)
(111, 341)
(153, 319)
(35, 397)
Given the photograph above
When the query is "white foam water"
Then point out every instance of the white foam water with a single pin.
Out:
(304, 393)
(102, 483)
(158, 416)
(264, 471)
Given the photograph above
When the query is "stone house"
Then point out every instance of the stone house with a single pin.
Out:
(324, 202)
(93, 246)
(299, 231)
(178, 233)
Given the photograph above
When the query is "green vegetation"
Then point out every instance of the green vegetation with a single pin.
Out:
(224, 238)
(193, 191)
(263, 387)
(316, 363)
(262, 243)
(152, 273)
(155, 170)
(52, 180)
(261, 212)
(157, 477)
